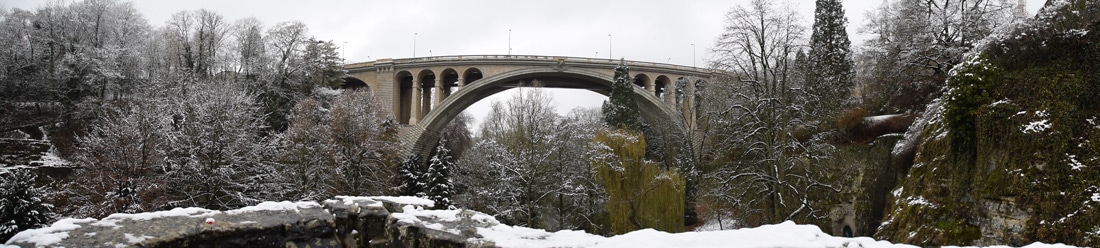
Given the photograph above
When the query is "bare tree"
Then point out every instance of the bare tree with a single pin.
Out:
(250, 45)
(363, 137)
(917, 42)
(757, 44)
(525, 168)
(122, 161)
(764, 160)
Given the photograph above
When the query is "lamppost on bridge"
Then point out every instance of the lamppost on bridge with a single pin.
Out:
(609, 46)
(344, 52)
(692, 54)
(414, 44)
(509, 41)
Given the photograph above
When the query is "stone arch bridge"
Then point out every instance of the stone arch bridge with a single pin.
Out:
(427, 93)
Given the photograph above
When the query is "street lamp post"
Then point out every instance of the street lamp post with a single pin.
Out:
(414, 44)
(509, 41)
(609, 46)
(692, 54)
(344, 52)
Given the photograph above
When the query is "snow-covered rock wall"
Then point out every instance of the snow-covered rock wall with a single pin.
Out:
(343, 222)
(385, 222)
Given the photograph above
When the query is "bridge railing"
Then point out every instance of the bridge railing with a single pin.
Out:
(453, 58)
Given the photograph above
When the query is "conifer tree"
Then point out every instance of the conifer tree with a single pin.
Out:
(411, 176)
(830, 64)
(620, 110)
(438, 177)
(21, 204)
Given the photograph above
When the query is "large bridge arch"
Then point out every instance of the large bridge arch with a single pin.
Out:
(420, 138)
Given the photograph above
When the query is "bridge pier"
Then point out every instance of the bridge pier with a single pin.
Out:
(414, 115)
(437, 97)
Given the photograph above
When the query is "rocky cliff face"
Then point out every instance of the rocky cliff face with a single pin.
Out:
(1011, 154)
(866, 178)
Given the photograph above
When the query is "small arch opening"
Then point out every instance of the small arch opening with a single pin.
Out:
(641, 80)
(449, 81)
(427, 89)
(404, 81)
(660, 86)
(471, 75)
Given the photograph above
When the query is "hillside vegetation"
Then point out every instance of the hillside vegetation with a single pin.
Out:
(1010, 153)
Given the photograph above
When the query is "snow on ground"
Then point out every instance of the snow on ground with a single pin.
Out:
(60, 229)
(522, 237)
(725, 223)
(404, 200)
(875, 120)
(50, 159)
(1032, 245)
(786, 234)
(276, 206)
(192, 212)
(49, 235)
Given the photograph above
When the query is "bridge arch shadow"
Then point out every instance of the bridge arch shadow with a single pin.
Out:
(354, 84)
(420, 138)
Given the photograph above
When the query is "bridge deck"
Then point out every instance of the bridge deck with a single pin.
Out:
(521, 58)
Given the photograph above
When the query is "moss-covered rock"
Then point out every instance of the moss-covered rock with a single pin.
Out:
(1011, 155)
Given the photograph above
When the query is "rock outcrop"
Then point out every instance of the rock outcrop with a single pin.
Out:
(1011, 153)
(343, 222)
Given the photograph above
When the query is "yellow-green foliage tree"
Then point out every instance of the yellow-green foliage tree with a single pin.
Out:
(641, 193)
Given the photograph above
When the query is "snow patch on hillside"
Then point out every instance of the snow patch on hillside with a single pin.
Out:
(1037, 126)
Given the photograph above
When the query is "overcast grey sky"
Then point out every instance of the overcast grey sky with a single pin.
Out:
(643, 30)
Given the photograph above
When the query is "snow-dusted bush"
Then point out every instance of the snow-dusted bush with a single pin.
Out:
(21, 203)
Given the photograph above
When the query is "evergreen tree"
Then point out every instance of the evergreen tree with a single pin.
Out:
(620, 110)
(322, 64)
(411, 171)
(830, 64)
(21, 205)
(438, 177)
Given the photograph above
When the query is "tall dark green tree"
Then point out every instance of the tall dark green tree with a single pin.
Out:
(438, 177)
(323, 66)
(412, 174)
(620, 110)
(21, 204)
(830, 64)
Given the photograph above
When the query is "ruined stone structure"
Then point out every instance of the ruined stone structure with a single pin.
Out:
(426, 93)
